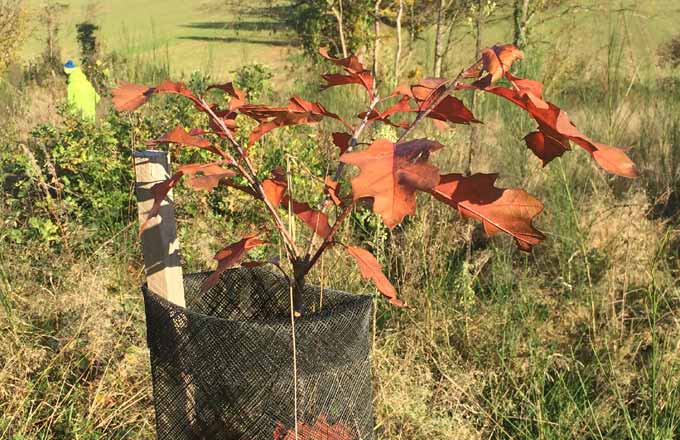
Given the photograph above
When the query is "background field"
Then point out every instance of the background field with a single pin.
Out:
(192, 35)
(579, 340)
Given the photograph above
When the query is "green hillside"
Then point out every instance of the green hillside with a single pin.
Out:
(191, 35)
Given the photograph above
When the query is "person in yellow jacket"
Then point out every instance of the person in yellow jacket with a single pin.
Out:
(81, 95)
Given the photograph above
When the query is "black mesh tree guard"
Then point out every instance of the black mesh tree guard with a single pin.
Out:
(223, 367)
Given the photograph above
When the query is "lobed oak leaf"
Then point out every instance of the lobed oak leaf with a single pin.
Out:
(364, 79)
(452, 109)
(370, 269)
(448, 109)
(356, 73)
(391, 173)
(401, 106)
(558, 129)
(179, 135)
(231, 256)
(205, 176)
(128, 96)
(238, 96)
(321, 430)
(497, 61)
(508, 210)
(315, 220)
(350, 63)
(159, 192)
(284, 120)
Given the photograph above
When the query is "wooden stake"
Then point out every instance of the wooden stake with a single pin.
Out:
(160, 245)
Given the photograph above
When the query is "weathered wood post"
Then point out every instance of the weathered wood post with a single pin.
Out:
(160, 245)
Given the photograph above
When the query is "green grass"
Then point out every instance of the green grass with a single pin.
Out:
(194, 36)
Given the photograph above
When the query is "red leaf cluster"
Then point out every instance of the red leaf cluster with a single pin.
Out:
(389, 173)
(298, 111)
(555, 129)
(355, 73)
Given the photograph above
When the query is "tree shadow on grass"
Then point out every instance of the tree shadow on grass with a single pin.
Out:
(254, 26)
(263, 41)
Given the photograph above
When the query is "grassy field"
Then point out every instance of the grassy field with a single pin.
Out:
(205, 35)
(578, 340)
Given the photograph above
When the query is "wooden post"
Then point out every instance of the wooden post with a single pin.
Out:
(160, 245)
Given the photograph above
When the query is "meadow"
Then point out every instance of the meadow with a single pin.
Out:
(578, 340)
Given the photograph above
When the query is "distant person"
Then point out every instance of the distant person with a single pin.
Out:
(81, 95)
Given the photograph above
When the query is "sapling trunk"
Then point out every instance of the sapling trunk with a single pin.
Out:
(300, 269)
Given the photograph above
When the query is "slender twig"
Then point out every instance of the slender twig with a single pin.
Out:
(353, 142)
(329, 238)
(251, 175)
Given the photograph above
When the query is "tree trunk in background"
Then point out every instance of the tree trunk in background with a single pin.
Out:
(397, 55)
(376, 39)
(438, 52)
(521, 15)
(337, 12)
(474, 132)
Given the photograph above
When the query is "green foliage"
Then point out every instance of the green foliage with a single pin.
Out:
(316, 25)
(93, 167)
(254, 79)
(13, 23)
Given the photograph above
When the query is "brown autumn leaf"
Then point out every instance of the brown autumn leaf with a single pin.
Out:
(231, 256)
(315, 220)
(452, 109)
(332, 189)
(238, 96)
(497, 61)
(430, 90)
(370, 269)
(275, 187)
(391, 173)
(159, 192)
(128, 96)
(205, 176)
(356, 73)
(500, 210)
(401, 106)
(558, 129)
(321, 430)
(341, 140)
(179, 135)
(172, 87)
(285, 120)
(351, 63)
(545, 147)
(298, 111)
